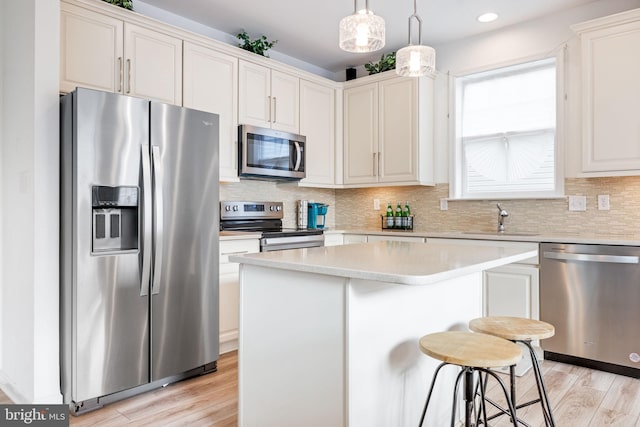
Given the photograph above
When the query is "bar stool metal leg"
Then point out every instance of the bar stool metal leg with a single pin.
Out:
(542, 390)
(470, 392)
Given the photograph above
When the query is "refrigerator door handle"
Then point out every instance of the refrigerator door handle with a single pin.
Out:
(146, 221)
(158, 223)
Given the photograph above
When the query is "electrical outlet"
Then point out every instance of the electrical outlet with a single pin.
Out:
(444, 205)
(577, 203)
(376, 204)
(603, 202)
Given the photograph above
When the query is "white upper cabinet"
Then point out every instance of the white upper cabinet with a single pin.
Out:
(611, 94)
(268, 98)
(105, 53)
(153, 65)
(361, 134)
(211, 84)
(91, 50)
(317, 124)
(388, 132)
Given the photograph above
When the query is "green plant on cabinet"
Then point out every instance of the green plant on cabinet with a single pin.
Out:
(127, 4)
(387, 62)
(258, 46)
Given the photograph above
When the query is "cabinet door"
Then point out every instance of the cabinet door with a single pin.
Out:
(91, 50)
(285, 102)
(398, 130)
(611, 99)
(229, 290)
(254, 90)
(211, 84)
(361, 134)
(354, 238)
(333, 240)
(512, 290)
(153, 65)
(317, 123)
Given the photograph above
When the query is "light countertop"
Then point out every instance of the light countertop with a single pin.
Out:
(394, 262)
(582, 238)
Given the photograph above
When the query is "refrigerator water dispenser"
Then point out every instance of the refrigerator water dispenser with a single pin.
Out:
(115, 219)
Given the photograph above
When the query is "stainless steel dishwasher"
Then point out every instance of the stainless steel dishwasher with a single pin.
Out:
(591, 294)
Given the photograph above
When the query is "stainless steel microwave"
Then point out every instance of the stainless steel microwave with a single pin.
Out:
(270, 154)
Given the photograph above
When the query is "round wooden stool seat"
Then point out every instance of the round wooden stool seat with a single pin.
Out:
(475, 350)
(513, 328)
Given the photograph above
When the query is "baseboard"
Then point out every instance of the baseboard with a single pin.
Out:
(228, 341)
(11, 392)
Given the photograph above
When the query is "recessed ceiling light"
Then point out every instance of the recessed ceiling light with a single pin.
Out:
(488, 17)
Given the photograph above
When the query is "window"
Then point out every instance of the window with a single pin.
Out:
(505, 133)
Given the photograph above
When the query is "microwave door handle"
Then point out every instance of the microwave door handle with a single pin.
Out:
(298, 156)
(145, 270)
(159, 226)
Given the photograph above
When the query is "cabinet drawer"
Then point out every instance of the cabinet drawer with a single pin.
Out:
(237, 247)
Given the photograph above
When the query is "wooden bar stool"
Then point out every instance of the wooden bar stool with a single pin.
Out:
(521, 330)
(472, 352)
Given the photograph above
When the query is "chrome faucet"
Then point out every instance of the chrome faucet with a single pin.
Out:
(502, 214)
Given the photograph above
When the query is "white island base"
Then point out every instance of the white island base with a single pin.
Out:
(329, 336)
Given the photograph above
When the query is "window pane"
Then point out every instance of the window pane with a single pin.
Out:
(517, 163)
(507, 131)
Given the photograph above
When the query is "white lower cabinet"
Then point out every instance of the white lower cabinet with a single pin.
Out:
(333, 239)
(364, 238)
(354, 238)
(229, 290)
(511, 290)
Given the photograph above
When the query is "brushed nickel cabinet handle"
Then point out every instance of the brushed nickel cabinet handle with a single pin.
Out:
(269, 103)
(128, 75)
(121, 69)
(374, 164)
(275, 103)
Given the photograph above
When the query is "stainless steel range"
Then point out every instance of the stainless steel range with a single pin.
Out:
(266, 217)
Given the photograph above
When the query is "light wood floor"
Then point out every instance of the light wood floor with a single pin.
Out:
(579, 397)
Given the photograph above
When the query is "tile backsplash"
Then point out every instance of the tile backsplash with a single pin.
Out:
(287, 192)
(353, 208)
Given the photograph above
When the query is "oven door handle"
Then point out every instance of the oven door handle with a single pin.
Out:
(617, 259)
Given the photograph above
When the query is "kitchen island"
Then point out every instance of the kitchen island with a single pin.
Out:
(328, 336)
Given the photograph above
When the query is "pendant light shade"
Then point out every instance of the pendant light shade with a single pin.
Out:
(362, 32)
(415, 60)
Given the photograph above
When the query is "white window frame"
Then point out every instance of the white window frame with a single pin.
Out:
(456, 156)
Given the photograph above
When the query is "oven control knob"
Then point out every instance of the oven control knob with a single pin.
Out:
(272, 208)
(227, 208)
(278, 208)
(235, 208)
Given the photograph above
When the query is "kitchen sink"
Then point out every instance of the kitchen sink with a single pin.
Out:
(496, 233)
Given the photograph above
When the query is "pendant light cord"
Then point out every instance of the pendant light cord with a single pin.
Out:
(355, 6)
(415, 15)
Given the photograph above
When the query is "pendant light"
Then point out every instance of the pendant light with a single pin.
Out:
(361, 32)
(415, 60)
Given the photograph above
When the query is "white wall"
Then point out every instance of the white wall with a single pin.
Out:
(2, 38)
(534, 38)
(198, 28)
(30, 159)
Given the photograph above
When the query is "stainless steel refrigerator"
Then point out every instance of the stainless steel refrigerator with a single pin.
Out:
(139, 246)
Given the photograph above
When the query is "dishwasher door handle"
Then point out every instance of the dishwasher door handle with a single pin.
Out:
(618, 259)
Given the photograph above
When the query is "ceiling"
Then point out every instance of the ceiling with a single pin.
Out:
(308, 30)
